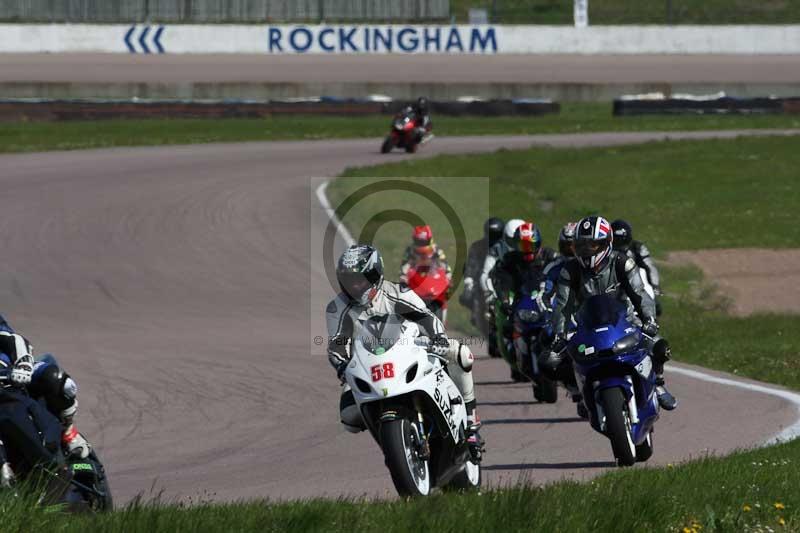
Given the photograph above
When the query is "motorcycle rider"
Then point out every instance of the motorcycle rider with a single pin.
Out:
(470, 297)
(365, 294)
(423, 250)
(566, 249)
(44, 379)
(496, 251)
(638, 251)
(424, 124)
(598, 269)
(520, 267)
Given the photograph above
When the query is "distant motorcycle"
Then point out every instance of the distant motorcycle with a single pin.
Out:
(431, 283)
(412, 408)
(615, 372)
(31, 443)
(404, 133)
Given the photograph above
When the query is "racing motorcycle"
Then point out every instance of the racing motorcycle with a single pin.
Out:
(431, 283)
(30, 442)
(614, 370)
(404, 134)
(531, 321)
(412, 408)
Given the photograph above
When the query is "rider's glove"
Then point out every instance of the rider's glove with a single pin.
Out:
(22, 373)
(650, 328)
(439, 344)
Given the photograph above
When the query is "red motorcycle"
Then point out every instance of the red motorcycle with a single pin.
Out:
(431, 283)
(405, 133)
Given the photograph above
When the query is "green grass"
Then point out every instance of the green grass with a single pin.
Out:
(711, 492)
(575, 117)
(636, 11)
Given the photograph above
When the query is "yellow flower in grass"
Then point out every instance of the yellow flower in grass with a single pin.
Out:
(746, 508)
(781, 521)
(779, 506)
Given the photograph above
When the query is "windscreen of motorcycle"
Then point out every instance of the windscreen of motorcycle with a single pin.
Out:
(379, 334)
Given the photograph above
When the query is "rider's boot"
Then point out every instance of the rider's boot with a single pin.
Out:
(73, 442)
(665, 399)
(474, 439)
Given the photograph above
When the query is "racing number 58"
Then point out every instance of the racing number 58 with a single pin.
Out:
(384, 371)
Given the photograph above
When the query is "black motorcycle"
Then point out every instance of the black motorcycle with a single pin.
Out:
(30, 442)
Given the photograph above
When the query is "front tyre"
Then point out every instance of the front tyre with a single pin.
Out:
(618, 426)
(545, 390)
(645, 450)
(410, 473)
(387, 145)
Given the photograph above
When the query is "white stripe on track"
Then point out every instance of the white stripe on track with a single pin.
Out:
(326, 205)
(788, 433)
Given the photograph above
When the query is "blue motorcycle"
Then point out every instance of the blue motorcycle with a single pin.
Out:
(615, 372)
(531, 319)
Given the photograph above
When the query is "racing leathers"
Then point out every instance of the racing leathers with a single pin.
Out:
(472, 297)
(345, 320)
(619, 277)
(639, 252)
(411, 258)
(43, 378)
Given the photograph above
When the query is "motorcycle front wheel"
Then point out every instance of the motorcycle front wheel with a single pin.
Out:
(387, 145)
(618, 426)
(410, 472)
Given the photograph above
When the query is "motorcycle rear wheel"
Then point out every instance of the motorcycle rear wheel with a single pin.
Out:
(410, 473)
(468, 479)
(411, 147)
(618, 426)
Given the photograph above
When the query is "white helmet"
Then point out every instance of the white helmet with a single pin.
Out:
(510, 228)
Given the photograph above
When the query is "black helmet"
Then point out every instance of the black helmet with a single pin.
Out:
(422, 104)
(360, 273)
(493, 229)
(623, 235)
(566, 240)
(593, 239)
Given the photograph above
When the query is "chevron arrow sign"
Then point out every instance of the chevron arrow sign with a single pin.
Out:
(140, 40)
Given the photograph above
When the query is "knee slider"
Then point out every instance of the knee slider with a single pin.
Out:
(464, 358)
(349, 413)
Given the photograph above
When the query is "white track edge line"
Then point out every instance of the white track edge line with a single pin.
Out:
(788, 433)
(323, 201)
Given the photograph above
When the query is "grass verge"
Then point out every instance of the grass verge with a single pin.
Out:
(574, 117)
(749, 491)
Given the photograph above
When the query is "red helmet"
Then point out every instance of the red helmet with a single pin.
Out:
(528, 241)
(423, 236)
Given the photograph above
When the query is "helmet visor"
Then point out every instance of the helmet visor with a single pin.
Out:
(587, 248)
(355, 284)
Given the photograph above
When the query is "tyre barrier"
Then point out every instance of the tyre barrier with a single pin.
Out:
(87, 109)
(719, 104)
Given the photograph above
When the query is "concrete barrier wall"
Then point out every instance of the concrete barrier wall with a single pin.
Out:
(399, 39)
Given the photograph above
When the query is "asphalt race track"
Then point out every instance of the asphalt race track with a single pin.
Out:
(550, 69)
(173, 283)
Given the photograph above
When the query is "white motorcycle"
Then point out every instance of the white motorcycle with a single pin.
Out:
(411, 407)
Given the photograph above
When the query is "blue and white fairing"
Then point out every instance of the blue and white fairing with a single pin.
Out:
(608, 351)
